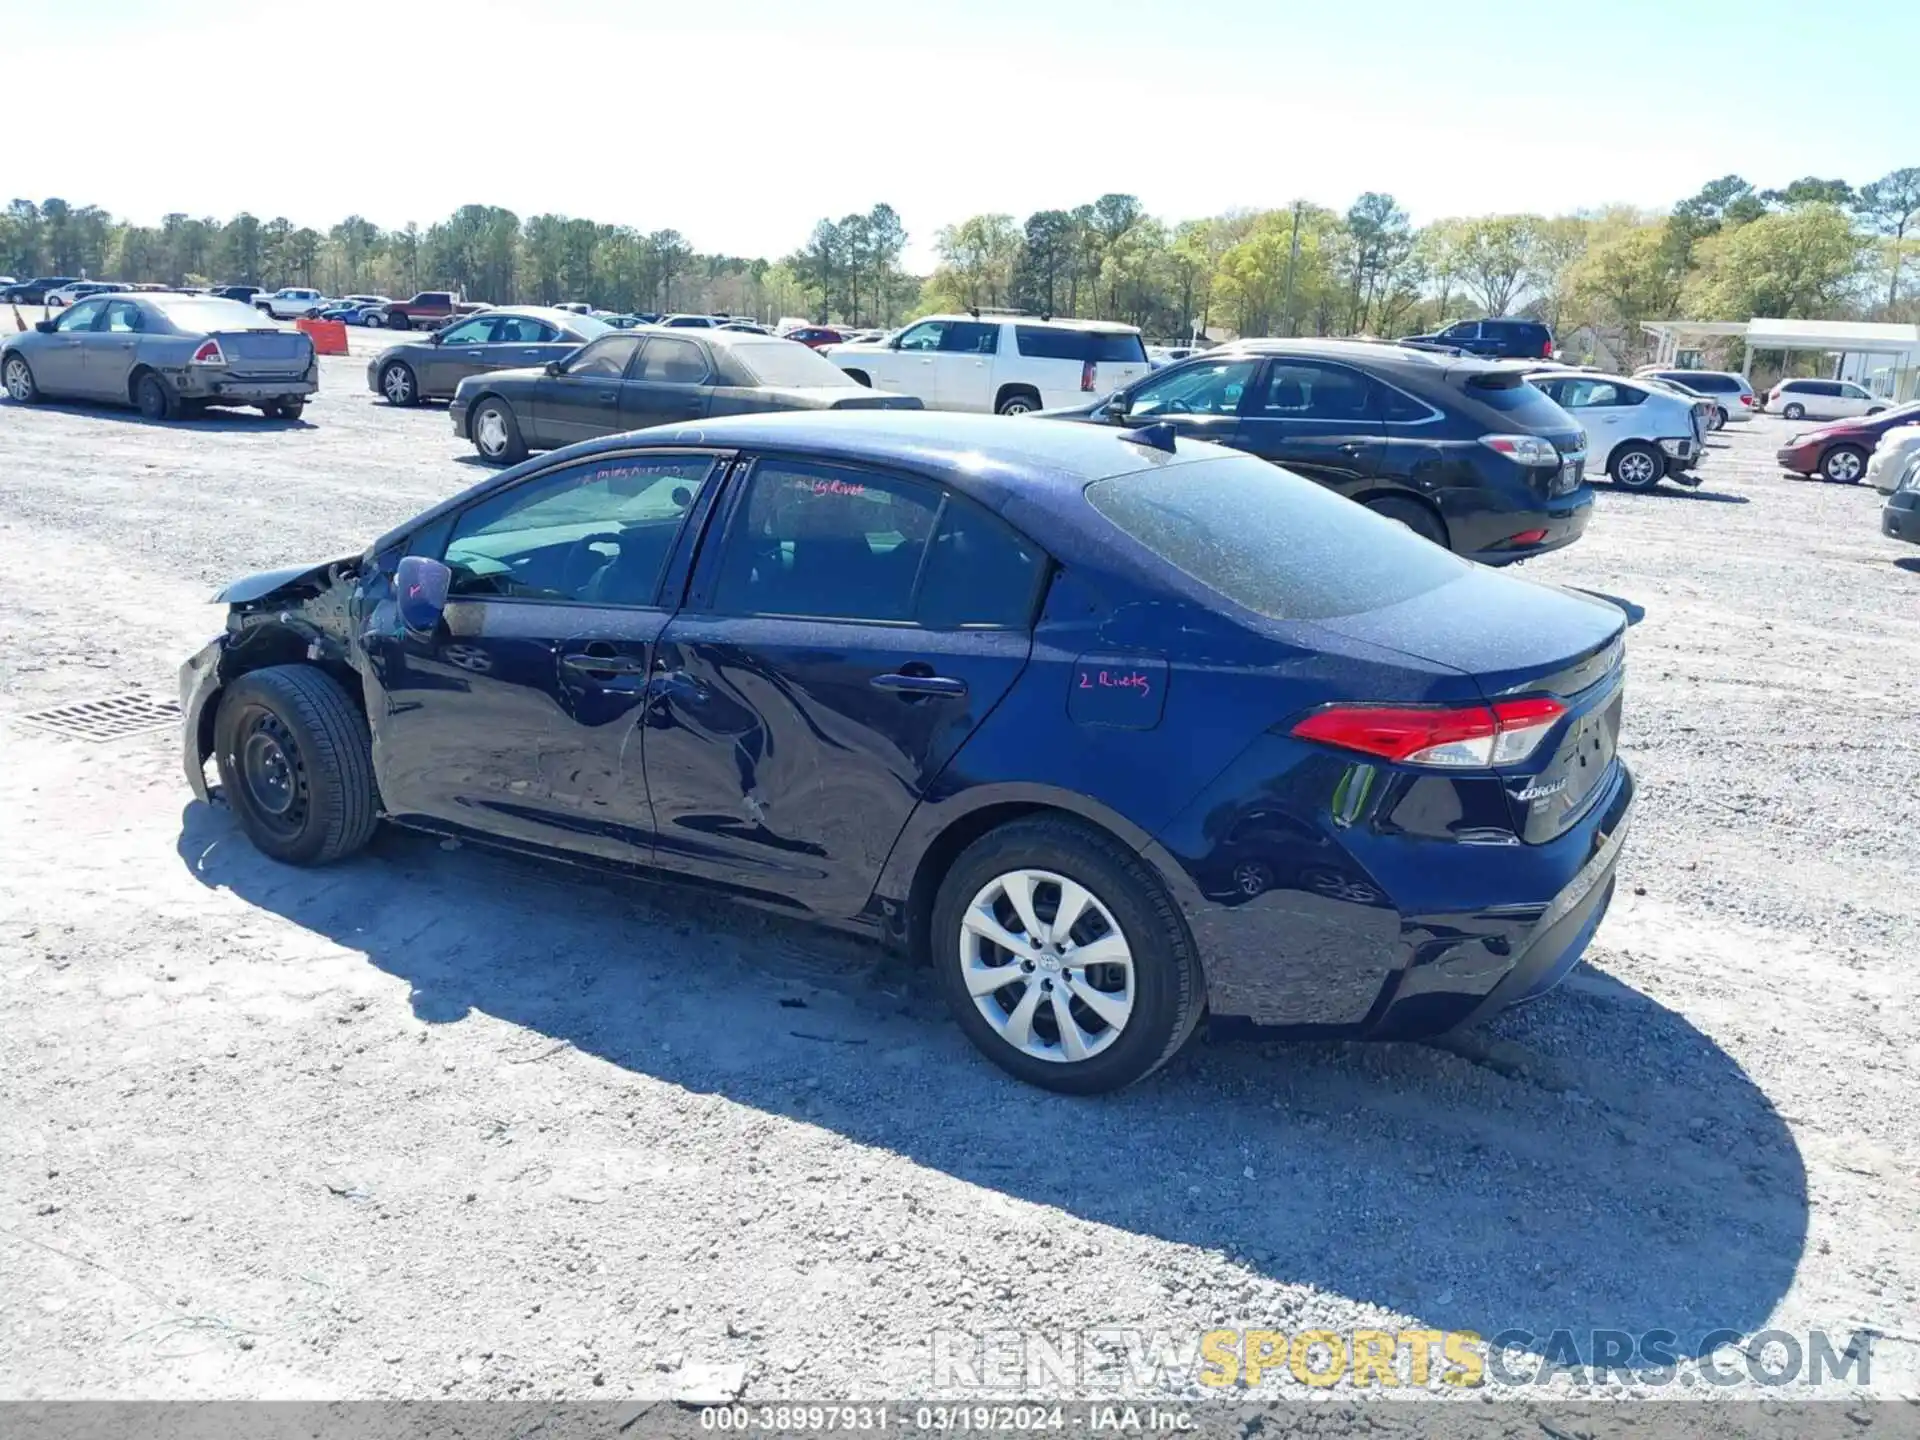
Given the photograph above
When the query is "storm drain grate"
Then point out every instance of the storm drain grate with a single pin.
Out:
(113, 718)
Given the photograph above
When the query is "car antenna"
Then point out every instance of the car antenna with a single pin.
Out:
(1154, 437)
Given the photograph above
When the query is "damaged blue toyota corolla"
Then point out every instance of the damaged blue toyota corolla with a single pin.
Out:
(1113, 729)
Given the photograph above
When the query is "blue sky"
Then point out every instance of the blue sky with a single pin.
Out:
(740, 122)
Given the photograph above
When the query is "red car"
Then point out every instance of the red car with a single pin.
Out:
(814, 336)
(1839, 449)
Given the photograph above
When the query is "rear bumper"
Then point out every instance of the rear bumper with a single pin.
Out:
(244, 390)
(1900, 516)
(1564, 520)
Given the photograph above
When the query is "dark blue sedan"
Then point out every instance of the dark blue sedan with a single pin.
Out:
(1113, 729)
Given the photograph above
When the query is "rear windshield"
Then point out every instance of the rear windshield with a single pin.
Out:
(1519, 402)
(1272, 542)
(197, 313)
(787, 362)
(1047, 342)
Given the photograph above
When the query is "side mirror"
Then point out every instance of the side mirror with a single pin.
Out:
(420, 589)
(554, 367)
(45, 327)
(1117, 406)
(434, 338)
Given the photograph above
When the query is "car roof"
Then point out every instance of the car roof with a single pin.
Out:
(991, 457)
(535, 312)
(1413, 359)
(1055, 322)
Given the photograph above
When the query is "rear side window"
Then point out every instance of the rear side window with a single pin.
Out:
(1048, 342)
(671, 362)
(829, 543)
(1705, 381)
(970, 338)
(1271, 542)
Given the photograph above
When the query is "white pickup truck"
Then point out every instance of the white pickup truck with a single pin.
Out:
(293, 303)
(996, 362)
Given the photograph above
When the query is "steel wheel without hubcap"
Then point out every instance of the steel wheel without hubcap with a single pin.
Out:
(269, 767)
(1047, 965)
(19, 380)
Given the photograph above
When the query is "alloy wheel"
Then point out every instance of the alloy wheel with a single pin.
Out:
(1637, 469)
(1844, 466)
(19, 380)
(1047, 965)
(397, 384)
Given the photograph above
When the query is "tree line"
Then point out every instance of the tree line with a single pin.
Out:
(1815, 248)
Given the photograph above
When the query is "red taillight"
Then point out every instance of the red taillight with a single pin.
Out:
(1527, 537)
(1747, 400)
(1448, 738)
(210, 353)
(1546, 349)
(1086, 376)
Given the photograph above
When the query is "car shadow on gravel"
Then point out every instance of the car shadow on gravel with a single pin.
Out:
(1589, 1162)
(1908, 563)
(1675, 492)
(224, 418)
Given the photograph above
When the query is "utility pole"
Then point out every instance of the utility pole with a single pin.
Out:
(1293, 259)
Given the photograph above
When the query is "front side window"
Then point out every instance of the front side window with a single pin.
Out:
(1464, 330)
(80, 317)
(1307, 390)
(468, 332)
(605, 359)
(594, 533)
(924, 336)
(1209, 387)
(673, 362)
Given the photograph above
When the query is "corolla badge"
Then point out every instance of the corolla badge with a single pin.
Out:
(1541, 792)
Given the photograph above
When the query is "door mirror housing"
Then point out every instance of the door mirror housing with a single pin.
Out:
(420, 588)
(1117, 406)
(434, 338)
(45, 327)
(554, 367)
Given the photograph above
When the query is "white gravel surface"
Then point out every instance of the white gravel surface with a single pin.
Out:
(435, 1123)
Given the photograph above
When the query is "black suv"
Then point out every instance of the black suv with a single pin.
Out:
(1462, 450)
(1500, 338)
(35, 292)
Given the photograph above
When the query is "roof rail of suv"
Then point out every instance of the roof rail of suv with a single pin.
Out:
(976, 311)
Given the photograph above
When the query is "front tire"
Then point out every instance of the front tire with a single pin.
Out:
(398, 384)
(1081, 1007)
(1794, 412)
(1719, 418)
(1637, 467)
(17, 376)
(496, 434)
(296, 764)
(1844, 464)
(155, 399)
(1415, 516)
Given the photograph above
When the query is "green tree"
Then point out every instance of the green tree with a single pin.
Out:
(1799, 264)
(1889, 205)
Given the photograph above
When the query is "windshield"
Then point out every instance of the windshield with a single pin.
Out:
(198, 313)
(1272, 542)
(787, 362)
(588, 328)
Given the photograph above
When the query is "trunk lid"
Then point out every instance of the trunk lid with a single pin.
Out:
(832, 397)
(1519, 638)
(273, 352)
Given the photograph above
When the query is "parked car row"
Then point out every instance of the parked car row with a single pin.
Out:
(1842, 450)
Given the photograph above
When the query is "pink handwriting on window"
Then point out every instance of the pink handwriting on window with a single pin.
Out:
(833, 487)
(1116, 680)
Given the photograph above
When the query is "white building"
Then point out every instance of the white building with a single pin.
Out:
(1884, 358)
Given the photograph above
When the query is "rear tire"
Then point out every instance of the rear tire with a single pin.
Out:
(1635, 466)
(1150, 988)
(1018, 402)
(1415, 516)
(155, 398)
(398, 384)
(398, 322)
(1844, 464)
(496, 434)
(1794, 412)
(283, 409)
(17, 377)
(296, 764)
(1719, 418)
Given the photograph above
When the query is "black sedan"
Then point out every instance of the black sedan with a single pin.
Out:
(1461, 450)
(1111, 729)
(636, 378)
(432, 367)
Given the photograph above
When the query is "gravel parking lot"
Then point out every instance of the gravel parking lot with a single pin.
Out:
(436, 1123)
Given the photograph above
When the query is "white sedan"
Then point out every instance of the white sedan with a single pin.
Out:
(1891, 456)
(1638, 434)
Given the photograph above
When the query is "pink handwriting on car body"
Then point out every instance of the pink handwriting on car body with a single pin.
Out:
(1116, 680)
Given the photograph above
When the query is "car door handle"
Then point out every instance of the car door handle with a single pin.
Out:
(477, 354)
(1353, 447)
(911, 685)
(589, 664)
(607, 399)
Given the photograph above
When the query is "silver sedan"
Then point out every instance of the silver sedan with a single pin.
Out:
(167, 354)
